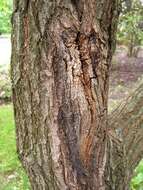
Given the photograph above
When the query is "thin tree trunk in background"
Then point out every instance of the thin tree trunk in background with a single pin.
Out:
(60, 65)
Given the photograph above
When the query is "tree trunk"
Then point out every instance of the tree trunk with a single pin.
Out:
(60, 65)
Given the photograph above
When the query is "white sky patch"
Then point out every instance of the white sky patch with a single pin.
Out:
(141, 1)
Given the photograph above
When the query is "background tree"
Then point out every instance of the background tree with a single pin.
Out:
(61, 59)
(129, 31)
(5, 15)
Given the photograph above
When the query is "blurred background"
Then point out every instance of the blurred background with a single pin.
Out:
(126, 73)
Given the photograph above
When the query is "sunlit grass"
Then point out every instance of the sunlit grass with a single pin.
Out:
(12, 176)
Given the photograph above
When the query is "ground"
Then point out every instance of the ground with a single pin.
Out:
(125, 74)
(12, 177)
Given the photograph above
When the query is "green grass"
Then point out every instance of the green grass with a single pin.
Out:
(12, 176)
(137, 181)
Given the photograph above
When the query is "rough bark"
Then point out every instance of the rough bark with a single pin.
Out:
(61, 58)
(126, 123)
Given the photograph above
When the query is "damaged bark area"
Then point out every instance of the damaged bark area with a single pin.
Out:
(60, 76)
(78, 115)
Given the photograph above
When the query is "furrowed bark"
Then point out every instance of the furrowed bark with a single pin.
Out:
(61, 57)
(126, 124)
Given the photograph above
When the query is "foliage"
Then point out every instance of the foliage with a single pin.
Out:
(5, 16)
(129, 32)
(12, 176)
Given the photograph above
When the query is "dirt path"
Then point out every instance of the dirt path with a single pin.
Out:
(124, 77)
(5, 51)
